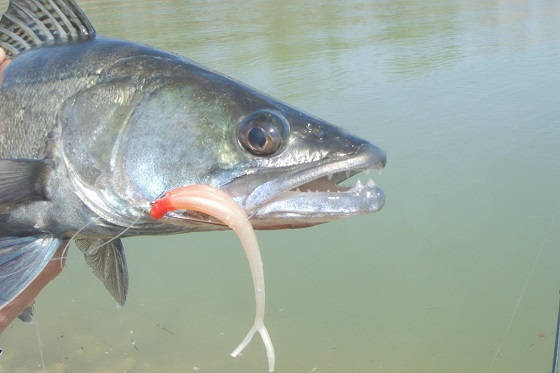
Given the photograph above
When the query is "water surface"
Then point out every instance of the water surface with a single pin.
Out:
(458, 273)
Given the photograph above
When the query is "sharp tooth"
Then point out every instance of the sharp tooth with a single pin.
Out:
(297, 190)
(358, 185)
(329, 177)
(370, 183)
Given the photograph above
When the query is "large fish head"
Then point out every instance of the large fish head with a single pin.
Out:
(194, 126)
(293, 165)
(283, 166)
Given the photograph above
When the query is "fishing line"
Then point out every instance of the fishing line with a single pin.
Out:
(19, 270)
(62, 256)
(118, 235)
(517, 304)
(16, 271)
(39, 343)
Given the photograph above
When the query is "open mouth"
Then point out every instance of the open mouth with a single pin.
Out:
(331, 188)
(305, 196)
(316, 194)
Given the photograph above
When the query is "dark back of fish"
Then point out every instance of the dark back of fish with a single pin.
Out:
(40, 81)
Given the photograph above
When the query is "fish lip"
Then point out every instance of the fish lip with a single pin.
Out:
(366, 157)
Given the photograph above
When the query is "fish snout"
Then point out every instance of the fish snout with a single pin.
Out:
(375, 156)
(340, 144)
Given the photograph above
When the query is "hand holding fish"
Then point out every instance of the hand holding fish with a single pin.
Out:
(4, 62)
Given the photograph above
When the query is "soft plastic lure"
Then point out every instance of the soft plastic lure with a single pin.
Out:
(216, 203)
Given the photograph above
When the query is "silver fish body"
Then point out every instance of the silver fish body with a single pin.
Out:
(93, 130)
(124, 123)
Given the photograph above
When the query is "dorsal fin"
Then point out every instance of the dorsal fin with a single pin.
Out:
(30, 24)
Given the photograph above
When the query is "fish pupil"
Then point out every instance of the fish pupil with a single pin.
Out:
(257, 138)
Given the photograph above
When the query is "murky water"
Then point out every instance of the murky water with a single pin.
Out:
(459, 272)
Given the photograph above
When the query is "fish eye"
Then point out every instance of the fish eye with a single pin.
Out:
(263, 132)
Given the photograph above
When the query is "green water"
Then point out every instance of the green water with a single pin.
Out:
(458, 273)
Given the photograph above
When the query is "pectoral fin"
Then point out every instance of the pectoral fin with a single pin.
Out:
(108, 263)
(22, 180)
(21, 260)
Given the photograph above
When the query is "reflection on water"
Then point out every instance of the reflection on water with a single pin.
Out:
(464, 98)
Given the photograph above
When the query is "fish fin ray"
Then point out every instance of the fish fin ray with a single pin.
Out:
(108, 263)
(21, 261)
(27, 314)
(22, 180)
(30, 24)
(83, 243)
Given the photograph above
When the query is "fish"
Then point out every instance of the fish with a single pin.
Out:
(94, 130)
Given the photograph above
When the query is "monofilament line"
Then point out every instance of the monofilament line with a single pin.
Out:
(516, 308)
(39, 343)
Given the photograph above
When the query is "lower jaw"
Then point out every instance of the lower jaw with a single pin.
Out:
(292, 222)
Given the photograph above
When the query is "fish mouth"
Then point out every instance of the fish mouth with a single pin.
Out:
(304, 195)
(314, 194)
